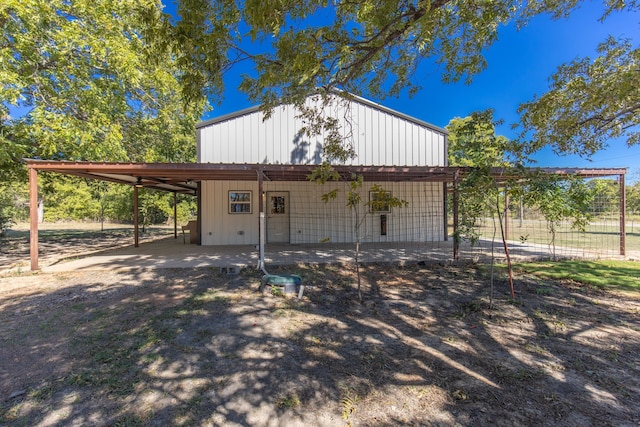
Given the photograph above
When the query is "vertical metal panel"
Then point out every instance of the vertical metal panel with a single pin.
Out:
(199, 145)
(257, 137)
(313, 221)
(287, 135)
(415, 146)
(360, 131)
(404, 144)
(219, 227)
(379, 137)
(390, 140)
(269, 126)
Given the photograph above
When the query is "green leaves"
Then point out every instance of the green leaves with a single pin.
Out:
(589, 103)
(366, 47)
(473, 142)
(295, 49)
(81, 78)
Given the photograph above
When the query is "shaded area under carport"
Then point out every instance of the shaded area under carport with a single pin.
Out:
(187, 177)
(173, 253)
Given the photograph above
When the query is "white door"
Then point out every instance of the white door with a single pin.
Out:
(278, 217)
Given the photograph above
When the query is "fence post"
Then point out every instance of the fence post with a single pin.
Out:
(623, 220)
(175, 215)
(136, 236)
(456, 237)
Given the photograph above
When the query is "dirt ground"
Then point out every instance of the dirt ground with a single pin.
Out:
(203, 347)
(58, 241)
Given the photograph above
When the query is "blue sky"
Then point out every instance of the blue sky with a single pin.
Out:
(519, 65)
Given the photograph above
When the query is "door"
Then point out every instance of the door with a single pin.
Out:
(277, 217)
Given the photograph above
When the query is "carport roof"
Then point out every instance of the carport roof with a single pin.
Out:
(183, 177)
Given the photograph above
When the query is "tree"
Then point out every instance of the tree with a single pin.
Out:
(78, 82)
(558, 199)
(605, 196)
(69, 198)
(474, 143)
(14, 199)
(293, 49)
(381, 199)
(590, 102)
(633, 198)
(633, 203)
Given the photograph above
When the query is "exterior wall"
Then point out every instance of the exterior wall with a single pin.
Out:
(380, 137)
(312, 221)
(219, 227)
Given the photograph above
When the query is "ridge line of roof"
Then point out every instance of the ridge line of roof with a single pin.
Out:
(356, 98)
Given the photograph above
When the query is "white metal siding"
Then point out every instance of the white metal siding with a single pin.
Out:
(219, 227)
(379, 138)
(313, 221)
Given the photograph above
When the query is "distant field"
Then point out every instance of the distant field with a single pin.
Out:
(601, 234)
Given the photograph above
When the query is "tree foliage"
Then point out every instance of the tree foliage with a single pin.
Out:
(81, 80)
(558, 199)
(293, 49)
(633, 198)
(13, 204)
(590, 102)
(473, 143)
(605, 195)
(78, 82)
(365, 46)
(72, 198)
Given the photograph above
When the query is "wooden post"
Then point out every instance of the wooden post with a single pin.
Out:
(175, 215)
(33, 217)
(623, 219)
(135, 216)
(456, 237)
(199, 222)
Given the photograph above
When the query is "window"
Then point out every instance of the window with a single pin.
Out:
(278, 205)
(239, 202)
(377, 201)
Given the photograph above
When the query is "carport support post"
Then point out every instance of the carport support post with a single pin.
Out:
(623, 219)
(456, 237)
(135, 216)
(33, 217)
(261, 221)
(175, 215)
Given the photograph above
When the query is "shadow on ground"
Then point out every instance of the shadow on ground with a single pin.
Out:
(198, 347)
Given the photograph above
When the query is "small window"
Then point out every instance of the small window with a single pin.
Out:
(239, 202)
(278, 205)
(377, 201)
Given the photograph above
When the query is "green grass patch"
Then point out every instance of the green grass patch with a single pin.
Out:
(602, 274)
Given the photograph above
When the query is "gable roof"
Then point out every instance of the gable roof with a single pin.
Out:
(354, 98)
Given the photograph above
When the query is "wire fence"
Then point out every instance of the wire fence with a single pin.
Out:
(328, 231)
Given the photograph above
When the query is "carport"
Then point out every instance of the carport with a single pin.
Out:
(186, 178)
